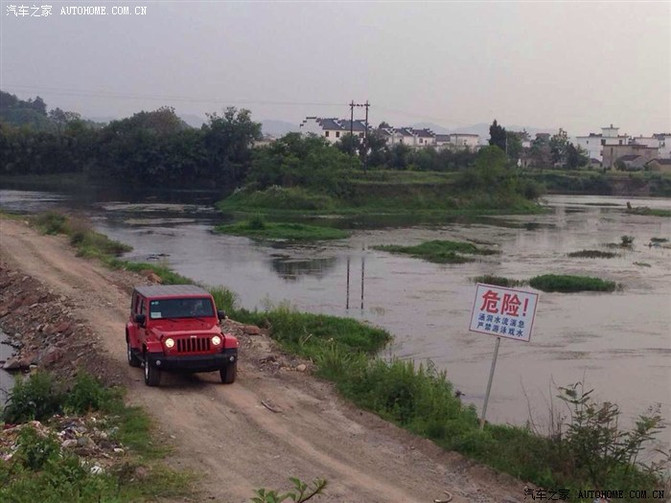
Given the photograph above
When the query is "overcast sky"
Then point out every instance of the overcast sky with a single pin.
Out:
(575, 65)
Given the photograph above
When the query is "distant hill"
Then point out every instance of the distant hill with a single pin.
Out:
(192, 120)
(278, 128)
(432, 126)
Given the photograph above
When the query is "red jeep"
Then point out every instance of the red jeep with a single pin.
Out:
(176, 328)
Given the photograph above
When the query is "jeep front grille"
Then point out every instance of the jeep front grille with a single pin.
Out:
(193, 345)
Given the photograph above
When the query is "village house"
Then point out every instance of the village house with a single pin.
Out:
(333, 130)
(662, 165)
(612, 153)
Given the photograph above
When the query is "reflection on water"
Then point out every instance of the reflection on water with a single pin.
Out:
(618, 343)
(290, 268)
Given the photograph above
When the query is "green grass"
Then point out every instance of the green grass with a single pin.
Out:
(488, 279)
(167, 275)
(440, 252)
(286, 198)
(41, 470)
(567, 283)
(258, 229)
(655, 212)
(306, 334)
(592, 254)
(86, 241)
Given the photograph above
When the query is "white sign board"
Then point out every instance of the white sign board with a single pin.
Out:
(503, 312)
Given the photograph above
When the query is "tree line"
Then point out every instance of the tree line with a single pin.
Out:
(160, 149)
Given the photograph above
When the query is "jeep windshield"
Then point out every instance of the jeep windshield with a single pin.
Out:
(180, 308)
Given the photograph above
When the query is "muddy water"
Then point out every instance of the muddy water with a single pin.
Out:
(618, 343)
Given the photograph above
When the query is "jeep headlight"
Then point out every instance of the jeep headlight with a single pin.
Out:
(216, 340)
(169, 343)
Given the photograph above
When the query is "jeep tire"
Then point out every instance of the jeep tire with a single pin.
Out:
(152, 375)
(228, 373)
(133, 360)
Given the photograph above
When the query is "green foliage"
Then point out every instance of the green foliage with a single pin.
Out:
(88, 394)
(35, 398)
(441, 252)
(592, 254)
(275, 197)
(51, 222)
(256, 228)
(224, 299)
(644, 210)
(659, 240)
(567, 283)
(489, 279)
(626, 241)
(497, 136)
(168, 277)
(306, 333)
(600, 452)
(302, 161)
(302, 492)
(88, 242)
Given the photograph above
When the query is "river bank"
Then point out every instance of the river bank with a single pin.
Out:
(314, 434)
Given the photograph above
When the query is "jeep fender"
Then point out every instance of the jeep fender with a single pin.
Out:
(131, 335)
(154, 347)
(230, 341)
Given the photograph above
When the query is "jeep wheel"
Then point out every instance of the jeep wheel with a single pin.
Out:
(152, 375)
(133, 360)
(228, 373)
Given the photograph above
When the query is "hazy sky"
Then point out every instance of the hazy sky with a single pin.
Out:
(576, 65)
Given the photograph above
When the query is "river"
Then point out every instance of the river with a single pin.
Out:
(617, 343)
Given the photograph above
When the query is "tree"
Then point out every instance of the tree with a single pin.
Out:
(514, 144)
(228, 140)
(497, 136)
(558, 148)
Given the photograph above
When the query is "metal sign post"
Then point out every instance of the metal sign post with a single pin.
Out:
(489, 383)
(502, 312)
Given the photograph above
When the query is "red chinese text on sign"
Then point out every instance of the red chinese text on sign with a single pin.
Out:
(503, 312)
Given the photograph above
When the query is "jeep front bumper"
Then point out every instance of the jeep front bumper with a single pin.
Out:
(193, 363)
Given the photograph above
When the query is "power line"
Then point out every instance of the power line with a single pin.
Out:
(112, 94)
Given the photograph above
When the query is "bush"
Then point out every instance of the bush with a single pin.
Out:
(565, 283)
(592, 254)
(35, 398)
(489, 279)
(88, 394)
(51, 222)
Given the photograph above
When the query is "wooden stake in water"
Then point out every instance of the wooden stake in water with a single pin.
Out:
(489, 384)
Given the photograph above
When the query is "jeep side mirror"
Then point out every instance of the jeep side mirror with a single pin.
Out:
(140, 319)
(221, 315)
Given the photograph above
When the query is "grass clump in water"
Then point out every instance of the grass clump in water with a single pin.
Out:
(567, 283)
(592, 254)
(659, 240)
(259, 229)
(440, 252)
(489, 279)
(655, 212)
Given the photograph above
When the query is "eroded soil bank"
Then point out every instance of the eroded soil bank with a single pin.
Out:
(64, 312)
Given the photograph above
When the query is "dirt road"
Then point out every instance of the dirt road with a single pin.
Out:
(227, 435)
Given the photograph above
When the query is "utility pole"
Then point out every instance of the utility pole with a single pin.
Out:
(351, 129)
